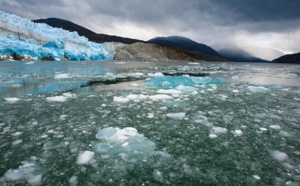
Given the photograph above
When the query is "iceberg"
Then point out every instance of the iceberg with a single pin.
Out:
(21, 38)
(176, 81)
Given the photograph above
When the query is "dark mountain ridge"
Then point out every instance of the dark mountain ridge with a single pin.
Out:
(92, 36)
(184, 44)
(290, 58)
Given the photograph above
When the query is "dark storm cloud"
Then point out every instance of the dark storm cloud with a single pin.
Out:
(189, 14)
(208, 21)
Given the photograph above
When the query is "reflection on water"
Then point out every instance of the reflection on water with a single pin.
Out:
(22, 78)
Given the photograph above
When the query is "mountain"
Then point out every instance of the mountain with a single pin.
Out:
(290, 58)
(184, 44)
(92, 36)
(236, 54)
(153, 52)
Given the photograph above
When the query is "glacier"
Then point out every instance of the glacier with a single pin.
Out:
(21, 38)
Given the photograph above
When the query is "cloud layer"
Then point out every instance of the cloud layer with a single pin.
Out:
(260, 23)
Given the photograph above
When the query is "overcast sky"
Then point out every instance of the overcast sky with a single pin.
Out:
(245, 23)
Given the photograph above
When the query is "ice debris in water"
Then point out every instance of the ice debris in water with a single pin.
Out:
(85, 157)
(256, 177)
(276, 127)
(175, 81)
(11, 100)
(218, 130)
(237, 133)
(168, 91)
(186, 88)
(279, 156)
(157, 74)
(257, 89)
(126, 142)
(61, 98)
(26, 172)
(62, 76)
(179, 115)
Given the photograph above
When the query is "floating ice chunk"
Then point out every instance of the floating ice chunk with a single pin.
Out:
(120, 63)
(186, 88)
(85, 157)
(25, 172)
(158, 176)
(57, 99)
(235, 91)
(73, 181)
(202, 119)
(276, 127)
(235, 77)
(137, 97)
(16, 142)
(257, 89)
(62, 76)
(157, 74)
(174, 81)
(13, 175)
(160, 97)
(29, 63)
(168, 91)
(218, 130)
(212, 136)
(237, 133)
(193, 63)
(179, 115)
(69, 95)
(285, 134)
(150, 115)
(120, 99)
(115, 141)
(17, 133)
(106, 133)
(256, 177)
(35, 179)
(12, 100)
(279, 156)
(263, 129)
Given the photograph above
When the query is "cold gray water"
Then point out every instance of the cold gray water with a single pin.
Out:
(136, 123)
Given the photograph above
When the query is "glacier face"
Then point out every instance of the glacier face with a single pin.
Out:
(37, 41)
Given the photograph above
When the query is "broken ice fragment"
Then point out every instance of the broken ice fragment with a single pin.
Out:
(279, 156)
(85, 157)
(179, 115)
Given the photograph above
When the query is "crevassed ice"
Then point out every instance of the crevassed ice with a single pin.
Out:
(36, 41)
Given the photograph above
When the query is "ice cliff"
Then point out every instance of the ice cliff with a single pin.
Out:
(24, 39)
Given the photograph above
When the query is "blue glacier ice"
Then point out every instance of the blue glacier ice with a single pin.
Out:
(36, 41)
(175, 81)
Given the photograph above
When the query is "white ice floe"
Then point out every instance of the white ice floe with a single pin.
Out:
(186, 88)
(85, 157)
(11, 100)
(25, 172)
(126, 141)
(256, 177)
(257, 89)
(137, 97)
(276, 127)
(160, 97)
(120, 99)
(29, 63)
(212, 136)
(61, 98)
(263, 129)
(157, 74)
(62, 76)
(73, 181)
(168, 91)
(218, 130)
(178, 115)
(279, 156)
(237, 133)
